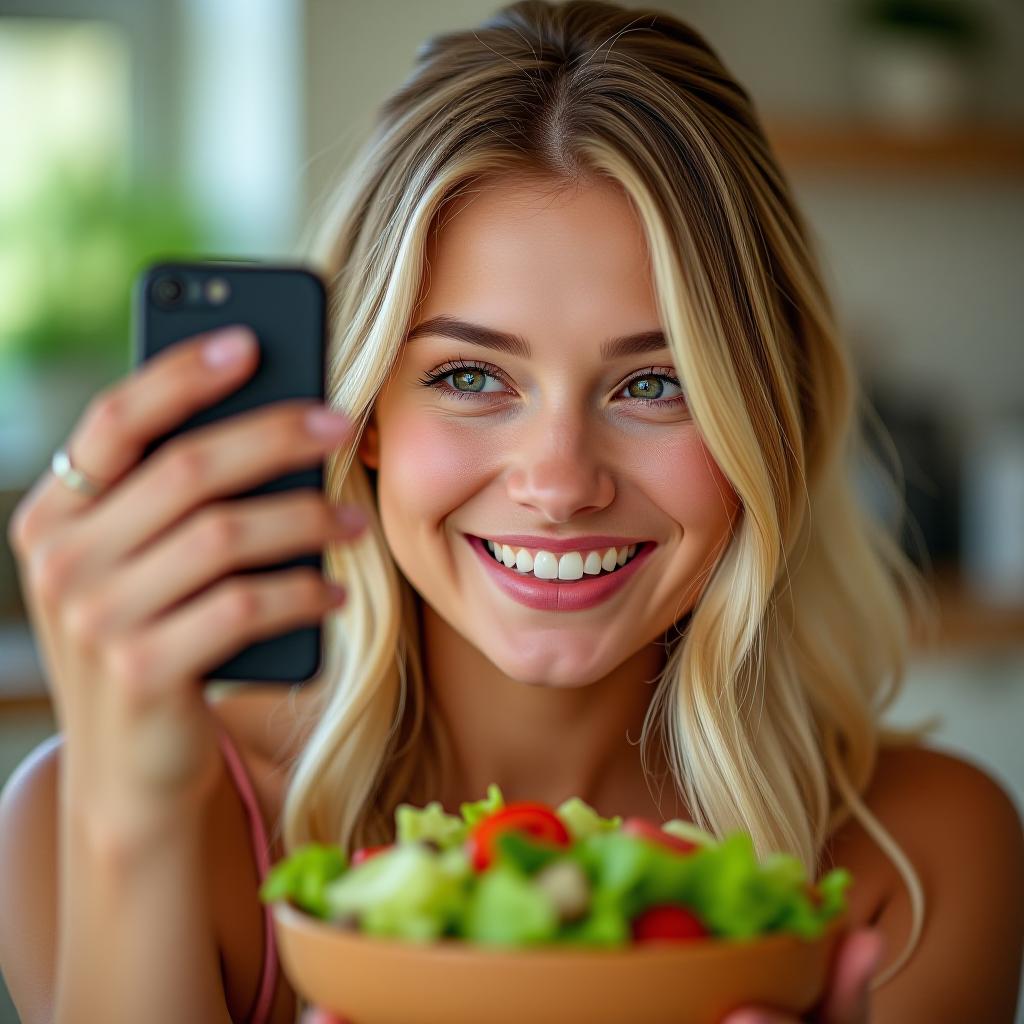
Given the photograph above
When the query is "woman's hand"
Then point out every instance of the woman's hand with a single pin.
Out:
(126, 589)
(315, 1016)
(846, 999)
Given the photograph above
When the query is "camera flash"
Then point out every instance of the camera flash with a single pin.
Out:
(217, 290)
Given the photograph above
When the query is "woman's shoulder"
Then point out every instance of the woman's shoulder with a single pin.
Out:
(926, 791)
(932, 802)
(962, 833)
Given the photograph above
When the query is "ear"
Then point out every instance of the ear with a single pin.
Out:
(368, 450)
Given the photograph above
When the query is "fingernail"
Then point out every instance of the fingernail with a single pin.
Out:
(875, 959)
(350, 517)
(227, 346)
(327, 423)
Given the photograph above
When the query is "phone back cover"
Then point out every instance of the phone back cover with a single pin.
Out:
(286, 308)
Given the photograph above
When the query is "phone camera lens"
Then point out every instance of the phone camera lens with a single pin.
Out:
(168, 291)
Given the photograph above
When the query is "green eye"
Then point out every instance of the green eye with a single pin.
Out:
(472, 379)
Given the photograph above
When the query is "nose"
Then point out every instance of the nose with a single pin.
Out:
(559, 473)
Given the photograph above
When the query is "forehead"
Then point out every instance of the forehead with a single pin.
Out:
(509, 248)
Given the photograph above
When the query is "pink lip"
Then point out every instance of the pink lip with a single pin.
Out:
(565, 596)
(582, 544)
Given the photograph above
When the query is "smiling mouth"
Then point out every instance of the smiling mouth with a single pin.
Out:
(567, 568)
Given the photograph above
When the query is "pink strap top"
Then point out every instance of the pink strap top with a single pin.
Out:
(268, 982)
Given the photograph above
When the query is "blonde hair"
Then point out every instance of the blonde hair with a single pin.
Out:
(770, 701)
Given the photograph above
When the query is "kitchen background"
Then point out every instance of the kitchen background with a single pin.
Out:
(136, 128)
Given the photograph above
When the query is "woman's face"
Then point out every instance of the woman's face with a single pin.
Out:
(562, 444)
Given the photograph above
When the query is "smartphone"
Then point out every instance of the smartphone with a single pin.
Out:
(286, 308)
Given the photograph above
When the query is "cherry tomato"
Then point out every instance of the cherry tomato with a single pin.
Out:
(532, 819)
(645, 829)
(366, 853)
(668, 922)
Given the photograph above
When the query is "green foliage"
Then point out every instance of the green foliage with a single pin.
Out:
(952, 22)
(70, 254)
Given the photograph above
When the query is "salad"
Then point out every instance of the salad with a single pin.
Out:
(526, 874)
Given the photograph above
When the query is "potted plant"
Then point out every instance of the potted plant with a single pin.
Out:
(70, 251)
(917, 61)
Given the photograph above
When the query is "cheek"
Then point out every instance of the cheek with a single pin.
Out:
(427, 468)
(695, 494)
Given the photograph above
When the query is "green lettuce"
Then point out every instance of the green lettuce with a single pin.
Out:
(478, 809)
(687, 830)
(420, 892)
(507, 909)
(582, 820)
(408, 892)
(434, 823)
(303, 876)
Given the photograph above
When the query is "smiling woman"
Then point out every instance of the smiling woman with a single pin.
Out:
(605, 427)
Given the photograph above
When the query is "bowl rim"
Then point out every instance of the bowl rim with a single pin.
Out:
(451, 949)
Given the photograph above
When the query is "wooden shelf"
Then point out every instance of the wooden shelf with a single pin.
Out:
(837, 145)
(966, 621)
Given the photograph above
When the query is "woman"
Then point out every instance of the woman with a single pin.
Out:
(578, 325)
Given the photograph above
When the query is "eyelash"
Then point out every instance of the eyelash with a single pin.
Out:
(435, 377)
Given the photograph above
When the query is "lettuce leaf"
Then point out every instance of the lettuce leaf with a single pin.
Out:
(302, 877)
(527, 854)
(507, 909)
(473, 812)
(432, 822)
(407, 892)
(687, 830)
(582, 820)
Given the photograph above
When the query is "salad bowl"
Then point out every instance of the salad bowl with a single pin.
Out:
(368, 980)
(528, 914)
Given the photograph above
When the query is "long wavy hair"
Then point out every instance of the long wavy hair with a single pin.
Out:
(770, 702)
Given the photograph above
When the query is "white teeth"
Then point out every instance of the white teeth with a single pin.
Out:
(545, 565)
(570, 566)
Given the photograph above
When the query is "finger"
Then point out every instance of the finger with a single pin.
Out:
(217, 624)
(223, 458)
(317, 1016)
(120, 421)
(758, 1015)
(848, 998)
(208, 546)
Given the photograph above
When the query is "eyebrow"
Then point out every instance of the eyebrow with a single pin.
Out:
(514, 344)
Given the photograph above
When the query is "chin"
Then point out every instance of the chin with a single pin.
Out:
(565, 672)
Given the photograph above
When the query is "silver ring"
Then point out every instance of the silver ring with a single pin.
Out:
(73, 478)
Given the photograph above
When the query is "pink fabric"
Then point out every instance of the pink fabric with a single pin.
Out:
(261, 1011)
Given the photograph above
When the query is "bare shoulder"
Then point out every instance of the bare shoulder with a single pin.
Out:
(28, 881)
(962, 833)
(940, 803)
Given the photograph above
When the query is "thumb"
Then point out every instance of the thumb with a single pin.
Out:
(849, 995)
(313, 1015)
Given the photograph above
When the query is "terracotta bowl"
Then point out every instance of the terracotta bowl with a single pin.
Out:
(377, 981)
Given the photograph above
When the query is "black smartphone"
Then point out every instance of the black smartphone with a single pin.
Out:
(286, 308)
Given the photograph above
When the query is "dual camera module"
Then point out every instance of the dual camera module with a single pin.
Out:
(171, 291)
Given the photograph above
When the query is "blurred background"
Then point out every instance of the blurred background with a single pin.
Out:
(137, 129)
